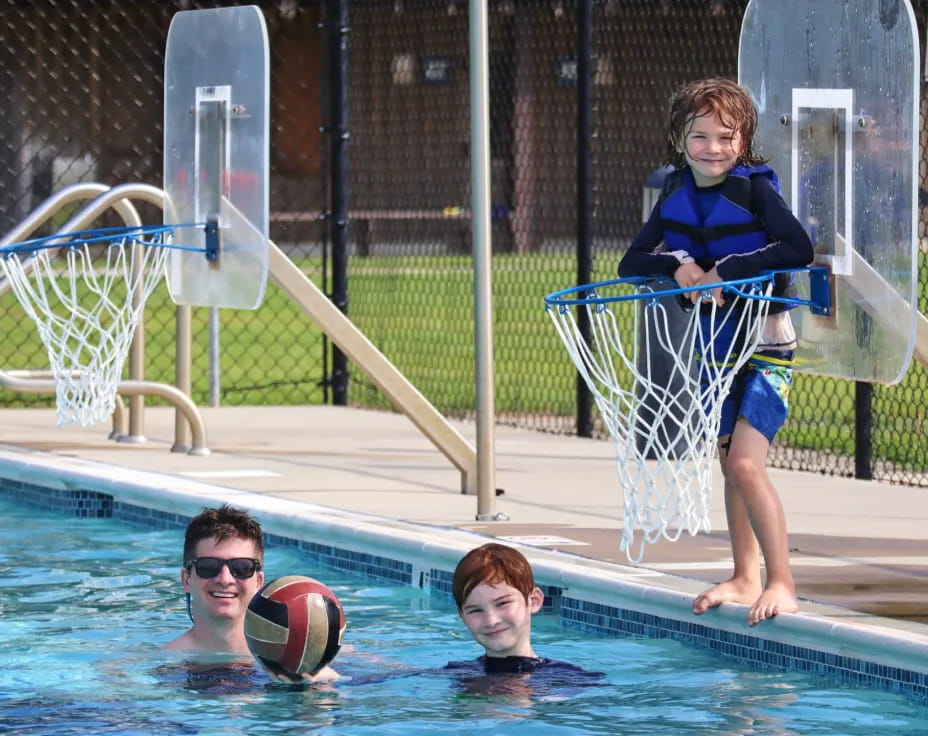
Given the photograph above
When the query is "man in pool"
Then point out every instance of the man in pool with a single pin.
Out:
(223, 561)
(494, 589)
(223, 569)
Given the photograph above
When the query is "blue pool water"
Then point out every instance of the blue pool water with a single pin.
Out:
(86, 604)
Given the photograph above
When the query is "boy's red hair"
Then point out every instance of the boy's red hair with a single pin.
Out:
(492, 564)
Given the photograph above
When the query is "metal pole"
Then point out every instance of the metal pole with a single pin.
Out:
(214, 369)
(584, 195)
(136, 361)
(338, 223)
(483, 289)
(182, 370)
(863, 444)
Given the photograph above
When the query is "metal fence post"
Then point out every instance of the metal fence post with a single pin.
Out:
(584, 195)
(338, 222)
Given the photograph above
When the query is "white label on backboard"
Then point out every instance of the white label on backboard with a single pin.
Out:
(822, 135)
(211, 148)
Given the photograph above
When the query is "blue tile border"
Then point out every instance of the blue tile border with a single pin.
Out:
(602, 619)
(71, 502)
(609, 620)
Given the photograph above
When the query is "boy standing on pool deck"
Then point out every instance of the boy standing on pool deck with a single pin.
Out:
(720, 217)
(223, 561)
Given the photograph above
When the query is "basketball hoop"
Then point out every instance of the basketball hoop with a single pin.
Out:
(86, 305)
(659, 380)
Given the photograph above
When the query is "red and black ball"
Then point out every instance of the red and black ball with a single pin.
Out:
(294, 625)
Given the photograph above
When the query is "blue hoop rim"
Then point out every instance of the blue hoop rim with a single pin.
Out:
(819, 303)
(142, 234)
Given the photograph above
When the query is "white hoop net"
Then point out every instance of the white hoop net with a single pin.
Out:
(659, 379)
(86, 303)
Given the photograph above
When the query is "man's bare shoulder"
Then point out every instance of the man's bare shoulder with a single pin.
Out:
(183, 643)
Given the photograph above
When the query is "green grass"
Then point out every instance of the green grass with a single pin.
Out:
(432, 301)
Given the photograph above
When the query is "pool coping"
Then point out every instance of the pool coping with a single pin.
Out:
(605, 597)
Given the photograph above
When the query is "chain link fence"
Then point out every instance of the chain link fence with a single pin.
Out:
(83, 84)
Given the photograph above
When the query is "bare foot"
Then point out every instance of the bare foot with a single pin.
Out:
(775, 599)
(733, 590)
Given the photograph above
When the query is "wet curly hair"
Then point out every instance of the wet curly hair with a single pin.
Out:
(722, 98)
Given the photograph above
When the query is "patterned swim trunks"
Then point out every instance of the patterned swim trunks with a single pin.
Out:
(760, 394)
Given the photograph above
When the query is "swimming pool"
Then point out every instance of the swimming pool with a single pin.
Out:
(86, 603)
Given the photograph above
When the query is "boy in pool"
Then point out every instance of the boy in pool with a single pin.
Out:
(720, 217)
(494, 589)
(223, 569)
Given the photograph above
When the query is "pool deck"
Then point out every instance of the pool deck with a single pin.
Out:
(857, 545)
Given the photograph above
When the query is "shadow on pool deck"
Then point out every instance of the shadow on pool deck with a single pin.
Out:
(859, 545)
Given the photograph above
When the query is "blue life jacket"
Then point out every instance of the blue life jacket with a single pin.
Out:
(730, 228)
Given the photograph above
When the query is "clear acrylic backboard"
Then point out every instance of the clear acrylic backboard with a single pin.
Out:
(216, 148)
(837, 95)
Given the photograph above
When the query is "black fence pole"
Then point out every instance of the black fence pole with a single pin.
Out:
(863, 421)
(338, 222)
(584, 195)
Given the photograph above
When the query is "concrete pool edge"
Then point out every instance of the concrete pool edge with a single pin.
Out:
(846, 634)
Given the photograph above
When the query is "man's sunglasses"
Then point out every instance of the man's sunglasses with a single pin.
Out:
(209, 567)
